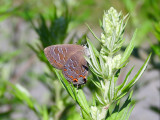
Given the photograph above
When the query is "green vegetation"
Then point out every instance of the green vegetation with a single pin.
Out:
(27, 27)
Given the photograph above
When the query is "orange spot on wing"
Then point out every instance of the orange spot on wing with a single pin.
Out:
(56, 64)
(65, 69)
(63, 50)
(61, 56)
(81, 76)
(56, 50)
(75, 80)
(54, 61)
(71, 77)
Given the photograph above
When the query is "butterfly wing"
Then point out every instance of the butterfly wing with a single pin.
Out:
(75, 70)
(58, 55)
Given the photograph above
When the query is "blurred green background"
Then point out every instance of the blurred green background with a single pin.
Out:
(28, 26)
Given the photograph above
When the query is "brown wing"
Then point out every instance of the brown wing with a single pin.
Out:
(75, 70)
(58, 55)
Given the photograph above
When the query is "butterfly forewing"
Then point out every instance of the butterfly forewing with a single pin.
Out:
(58, 55)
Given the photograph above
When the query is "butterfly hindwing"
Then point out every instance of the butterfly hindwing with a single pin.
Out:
(75, 68)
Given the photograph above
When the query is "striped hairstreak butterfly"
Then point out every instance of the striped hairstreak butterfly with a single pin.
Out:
(70, 59)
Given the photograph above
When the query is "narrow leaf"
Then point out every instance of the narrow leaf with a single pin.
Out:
(129, 49)
(93, 57)
(93, 33)
(96, 83)
(65, 84)
(125, 81)
(137, 76)
(83, 98)
(92, 68)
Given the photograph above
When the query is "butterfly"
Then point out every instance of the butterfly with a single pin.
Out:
(70, 59)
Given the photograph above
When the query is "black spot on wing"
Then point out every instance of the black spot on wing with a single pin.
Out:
(85, 67)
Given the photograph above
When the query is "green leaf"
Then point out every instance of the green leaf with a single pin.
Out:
(65, 83)
(102, 64)
(130, 5)
(121, 95)
(126, 88)
(93, 33)
(137, 76)
(85, 116)
(22, 94)
(94, 52)
(75, 93)
(129, 49)
(156, 49)
(124, 82)
(92, 46)
(83, 100)
(45, 113)
(92, 68)
(111, 89)
(79, 100)
(8, 56)
(97, 83)
(94, 100)
(129, 113)
(155, 109)
(31, 47)
(100, 99)
(122, 113)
